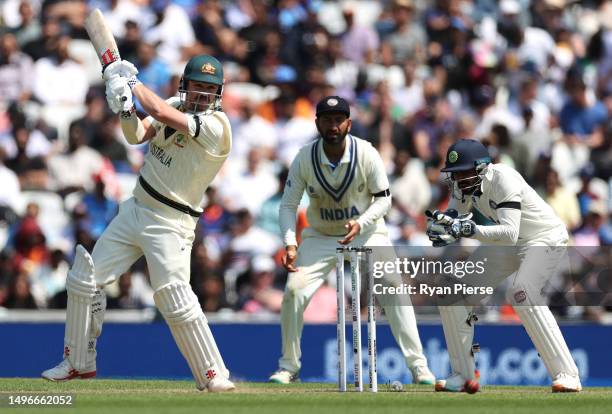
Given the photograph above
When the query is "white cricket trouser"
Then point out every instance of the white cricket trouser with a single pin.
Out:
(530, 268)
(316, 258)
(146, 227)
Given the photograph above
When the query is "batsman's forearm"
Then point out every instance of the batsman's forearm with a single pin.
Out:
(161, 111)
(133, 128)
(378, 209)
(151, 103)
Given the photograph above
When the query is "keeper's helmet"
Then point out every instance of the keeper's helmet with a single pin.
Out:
(463, 157)
(201, 68)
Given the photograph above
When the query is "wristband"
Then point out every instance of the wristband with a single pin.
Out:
(132, 82)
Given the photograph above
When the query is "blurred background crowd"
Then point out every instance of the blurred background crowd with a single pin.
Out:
(532, 79)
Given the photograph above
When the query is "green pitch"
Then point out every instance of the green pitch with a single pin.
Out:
(176, 397)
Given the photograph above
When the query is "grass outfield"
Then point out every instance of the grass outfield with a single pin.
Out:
(130, 396)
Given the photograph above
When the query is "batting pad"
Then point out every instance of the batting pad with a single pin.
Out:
(81, 289)
(181, 309)
(545, 334)
(459, 333)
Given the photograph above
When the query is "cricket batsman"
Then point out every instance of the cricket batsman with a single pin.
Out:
(535, 238)
(348, 189)
(189, 139)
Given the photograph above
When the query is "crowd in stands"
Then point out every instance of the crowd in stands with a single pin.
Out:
(532, 79)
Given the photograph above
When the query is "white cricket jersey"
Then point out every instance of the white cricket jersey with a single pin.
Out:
(336, 195)
(503, 187)
(180, 165)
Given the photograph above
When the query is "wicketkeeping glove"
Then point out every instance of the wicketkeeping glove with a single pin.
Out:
(463, 226)
(444, 228)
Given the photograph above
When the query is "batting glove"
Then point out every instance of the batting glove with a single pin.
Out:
(123, 68)
(119, 95)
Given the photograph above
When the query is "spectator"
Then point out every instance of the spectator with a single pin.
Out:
(10, 196)
(100, 208)
(96, 112)
(248, 241)
(126, 298)
(153, 72)
(31, 169)
(251, 130)
(49, 279)
(588, 233)
(248, 187)
(359, 43)
(581, 120)
(107, 142)
(44, 45)
(29, 239)
(29, 29)
(260, 295)
(562, 201)
(15, 71)
(293, 131)
(79, 157)
(409, 185)
(58, 79)
(527, 101)
(268, 214)
(19, 294)
(407, 41)
(171, 32)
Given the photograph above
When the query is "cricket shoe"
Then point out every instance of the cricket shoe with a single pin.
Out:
(64, 372)
(422, 375)
(220, 384)
(566, 383)
(456, 383)
(282, 376)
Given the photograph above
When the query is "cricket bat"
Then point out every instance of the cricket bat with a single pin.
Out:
(102, 38)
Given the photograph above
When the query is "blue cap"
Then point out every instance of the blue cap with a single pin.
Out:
(333, 104)
(466, 154)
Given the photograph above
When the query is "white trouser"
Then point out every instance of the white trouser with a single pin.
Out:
(316, 259)
(144, 226)
(529, 268)
(162, 234)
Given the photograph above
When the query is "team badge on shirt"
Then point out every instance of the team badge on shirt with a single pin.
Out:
(180, 141)
(311, 192)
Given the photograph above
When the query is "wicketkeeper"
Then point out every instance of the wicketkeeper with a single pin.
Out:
(535, 238)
